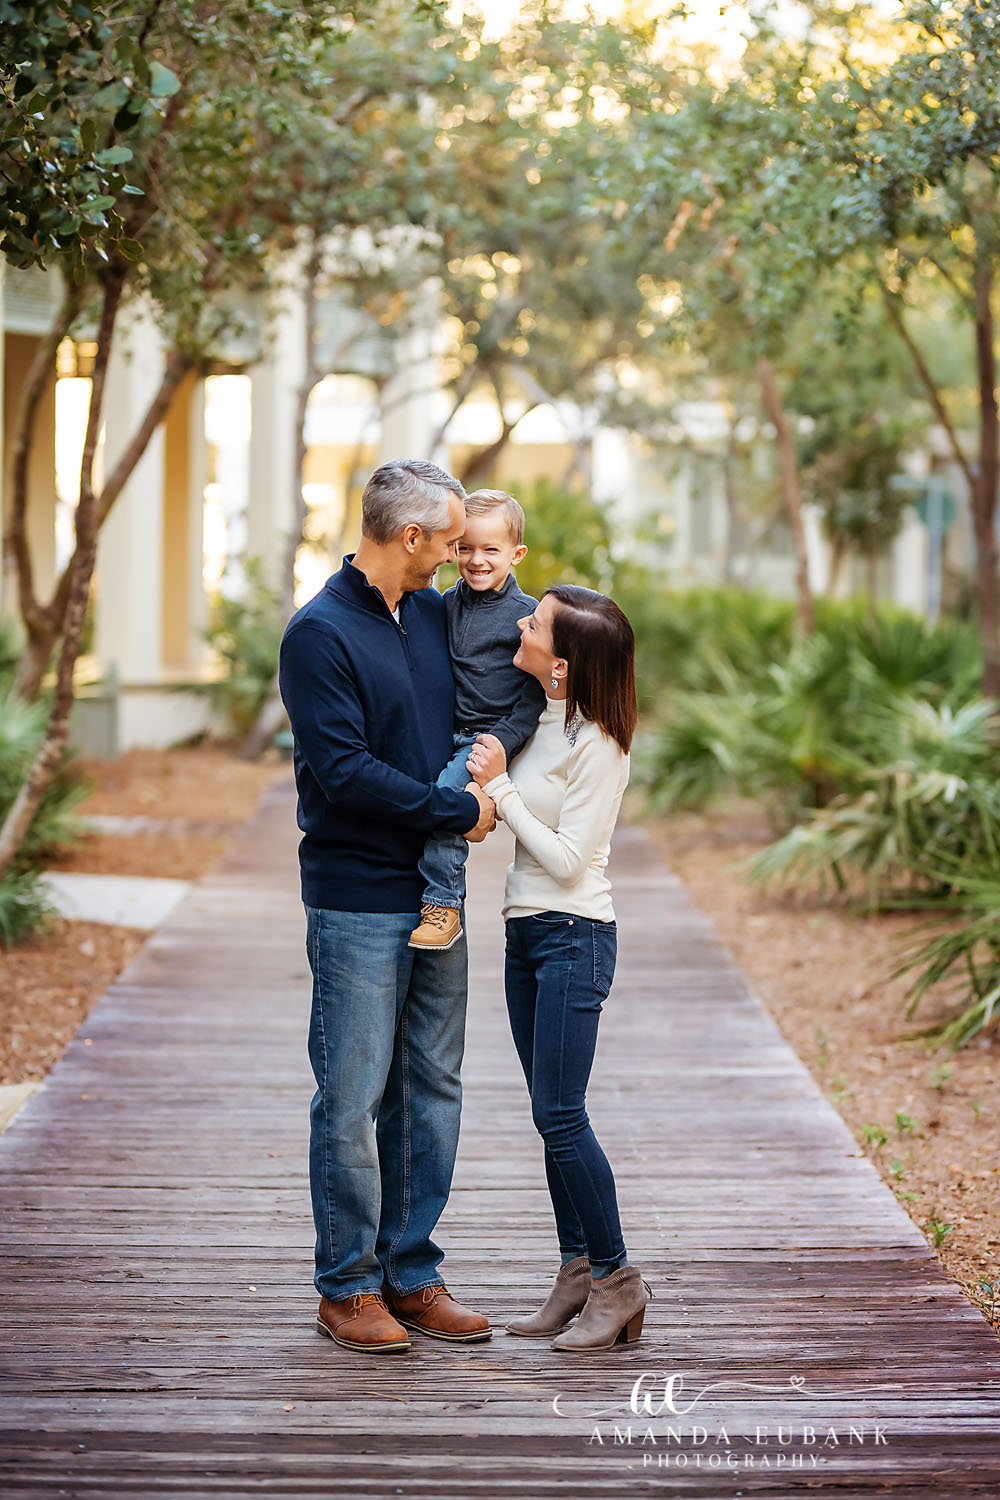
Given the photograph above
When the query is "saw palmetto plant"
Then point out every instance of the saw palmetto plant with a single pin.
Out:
(959, 948)
(926, 794)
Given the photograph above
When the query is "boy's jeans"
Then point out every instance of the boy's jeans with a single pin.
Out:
(386, 1038)
(443, 863)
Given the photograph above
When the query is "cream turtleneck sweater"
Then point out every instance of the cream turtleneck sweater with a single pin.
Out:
(561, 800)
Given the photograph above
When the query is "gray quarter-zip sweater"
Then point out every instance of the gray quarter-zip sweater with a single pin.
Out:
(491, 695)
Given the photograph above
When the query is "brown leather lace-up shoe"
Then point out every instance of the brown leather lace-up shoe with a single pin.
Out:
(434, 1311)
(440, 929)
(363, 1322)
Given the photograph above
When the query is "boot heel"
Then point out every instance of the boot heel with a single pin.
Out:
(632, 1330)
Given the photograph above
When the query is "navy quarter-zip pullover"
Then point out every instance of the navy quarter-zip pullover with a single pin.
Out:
(371, 704)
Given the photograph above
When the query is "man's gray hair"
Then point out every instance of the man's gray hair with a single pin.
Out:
(405, 492)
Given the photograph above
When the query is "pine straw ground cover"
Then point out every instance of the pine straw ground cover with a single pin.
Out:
(48, 985)
(930, 1121)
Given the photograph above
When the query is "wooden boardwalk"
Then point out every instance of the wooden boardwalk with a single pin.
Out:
(156, 1247)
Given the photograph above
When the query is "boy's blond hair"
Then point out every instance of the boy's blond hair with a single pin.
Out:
(481, 502)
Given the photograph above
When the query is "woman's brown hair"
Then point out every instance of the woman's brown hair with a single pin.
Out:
(596, 639)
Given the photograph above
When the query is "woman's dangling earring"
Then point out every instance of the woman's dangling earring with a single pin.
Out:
(554, 683)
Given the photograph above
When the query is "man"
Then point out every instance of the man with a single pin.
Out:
(366, 679)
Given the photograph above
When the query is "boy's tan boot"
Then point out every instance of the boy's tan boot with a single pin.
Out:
(440, 929)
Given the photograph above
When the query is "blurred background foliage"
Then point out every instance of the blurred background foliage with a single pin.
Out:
(801, 229)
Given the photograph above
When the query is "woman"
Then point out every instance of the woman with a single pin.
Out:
(561, 802)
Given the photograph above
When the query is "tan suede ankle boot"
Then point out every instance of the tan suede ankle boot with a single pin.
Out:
(613, 1314)
(567, 1297)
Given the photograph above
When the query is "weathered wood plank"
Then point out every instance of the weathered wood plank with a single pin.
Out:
(156, 1234)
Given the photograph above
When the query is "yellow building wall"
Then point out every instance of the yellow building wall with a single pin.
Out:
(345, 468)
(519, 466)
(177, 522)
(19, 350)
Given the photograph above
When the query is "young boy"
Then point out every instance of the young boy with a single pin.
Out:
(492, 696)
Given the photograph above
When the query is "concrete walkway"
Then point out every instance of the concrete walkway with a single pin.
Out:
(156, 1253)
(140, 901)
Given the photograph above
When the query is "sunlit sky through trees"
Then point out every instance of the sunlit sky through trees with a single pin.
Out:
(708, 24)
(709, 21)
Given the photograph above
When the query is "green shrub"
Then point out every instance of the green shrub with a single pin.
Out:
(10, 650)
(246, 634)
(52, 829)
(24, 909)
(569, 538)
(702, 639)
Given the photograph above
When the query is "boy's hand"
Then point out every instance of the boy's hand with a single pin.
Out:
(487, 815)
(487, 759)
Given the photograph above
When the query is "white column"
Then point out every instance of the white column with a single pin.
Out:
(718, 528)
(681, 556)
(407, 400)
(817, 549)
(909, 565)
(129, 559)
(276, 383)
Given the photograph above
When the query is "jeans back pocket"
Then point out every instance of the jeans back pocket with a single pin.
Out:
(605, 956)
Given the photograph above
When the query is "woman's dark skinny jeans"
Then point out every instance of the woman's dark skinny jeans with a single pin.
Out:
(558, 972)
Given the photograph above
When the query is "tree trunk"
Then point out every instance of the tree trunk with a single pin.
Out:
(838, 556)
(463, 388)
(33, 615)
(791, 492)
(982, 480)
(47, 759)
(33, 663)
(48, 627)
(479, 465)
(271, 714)
(894, 307)
(871, 579)
(984, 490)
(310, 376)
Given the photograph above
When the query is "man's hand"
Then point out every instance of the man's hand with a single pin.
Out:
(487, 759)
(487, 815)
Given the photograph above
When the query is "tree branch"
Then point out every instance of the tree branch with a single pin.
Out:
(39, 374)
(893, 307)
(177, 366)
(791, 488)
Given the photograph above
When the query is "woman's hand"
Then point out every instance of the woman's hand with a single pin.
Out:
(487, 759)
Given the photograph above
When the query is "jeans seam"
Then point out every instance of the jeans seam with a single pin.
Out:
(321, 1022)
(404, 1090)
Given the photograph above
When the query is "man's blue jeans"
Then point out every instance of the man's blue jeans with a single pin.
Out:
(442, 865)
(386, 1038)
(558, 972)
